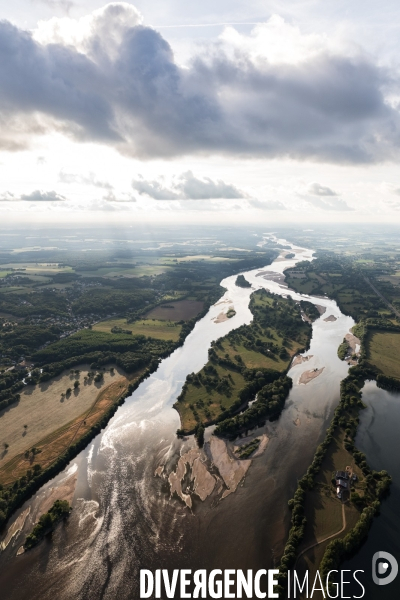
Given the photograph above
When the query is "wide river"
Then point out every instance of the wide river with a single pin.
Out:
(123, 516)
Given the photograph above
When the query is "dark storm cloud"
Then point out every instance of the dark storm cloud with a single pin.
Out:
(126, 90)
(40, 196)
(188, 187)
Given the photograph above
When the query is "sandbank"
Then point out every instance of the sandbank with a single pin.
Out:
(353, 342)
(15, 528)
(203, 481)
(300, 359)
(231, 470)
(308, 376)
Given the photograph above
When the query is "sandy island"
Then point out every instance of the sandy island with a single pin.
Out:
(192, 466)
(308, 376)
(223, 302)
(203, 481)
(15, 528)
(231, 470)
(330, 318)
(301, 359)
(65, 491)
(264, 439)
(221, 318)
(224, 316)
(273, 276)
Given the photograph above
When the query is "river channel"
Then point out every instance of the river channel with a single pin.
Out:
(124, 517)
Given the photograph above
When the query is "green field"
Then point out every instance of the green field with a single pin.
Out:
(383, 349)
(209, 405)
(162, 330)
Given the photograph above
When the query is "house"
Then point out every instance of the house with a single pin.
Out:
(342, 484)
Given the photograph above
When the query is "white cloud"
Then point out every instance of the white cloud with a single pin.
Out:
(90, 179)
(330, 204)
(187, 187)
(7, 197)
(123, 197)
(316, 189)
(41, 196)
(266, 204)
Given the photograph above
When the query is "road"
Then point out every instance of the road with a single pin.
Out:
(325, 539)
(378, 293)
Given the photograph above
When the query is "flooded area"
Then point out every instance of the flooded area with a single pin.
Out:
(222, 513)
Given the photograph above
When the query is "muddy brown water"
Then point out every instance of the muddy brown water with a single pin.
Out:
(123, 518)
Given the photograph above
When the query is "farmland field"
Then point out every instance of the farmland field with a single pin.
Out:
(43, 410)
(162, 330)
(383, 352)
(182, 310)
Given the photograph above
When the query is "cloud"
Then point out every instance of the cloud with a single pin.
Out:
(335, 204)
(90, 179)
(7, 197)
(193, 188)
(41, 196)
(188, 187)
(320, 190)
(108, 78)
(124, 197)
(155, 189)
(266, 204)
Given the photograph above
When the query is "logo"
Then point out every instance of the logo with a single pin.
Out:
(384, 568)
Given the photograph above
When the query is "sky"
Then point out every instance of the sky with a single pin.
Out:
(177, 111)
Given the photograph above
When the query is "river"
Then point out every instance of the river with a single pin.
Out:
(123, 517)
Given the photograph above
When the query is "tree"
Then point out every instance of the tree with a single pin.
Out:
(76, 384)
(200, 436)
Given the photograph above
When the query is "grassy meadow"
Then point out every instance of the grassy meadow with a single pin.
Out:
(383, 348)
